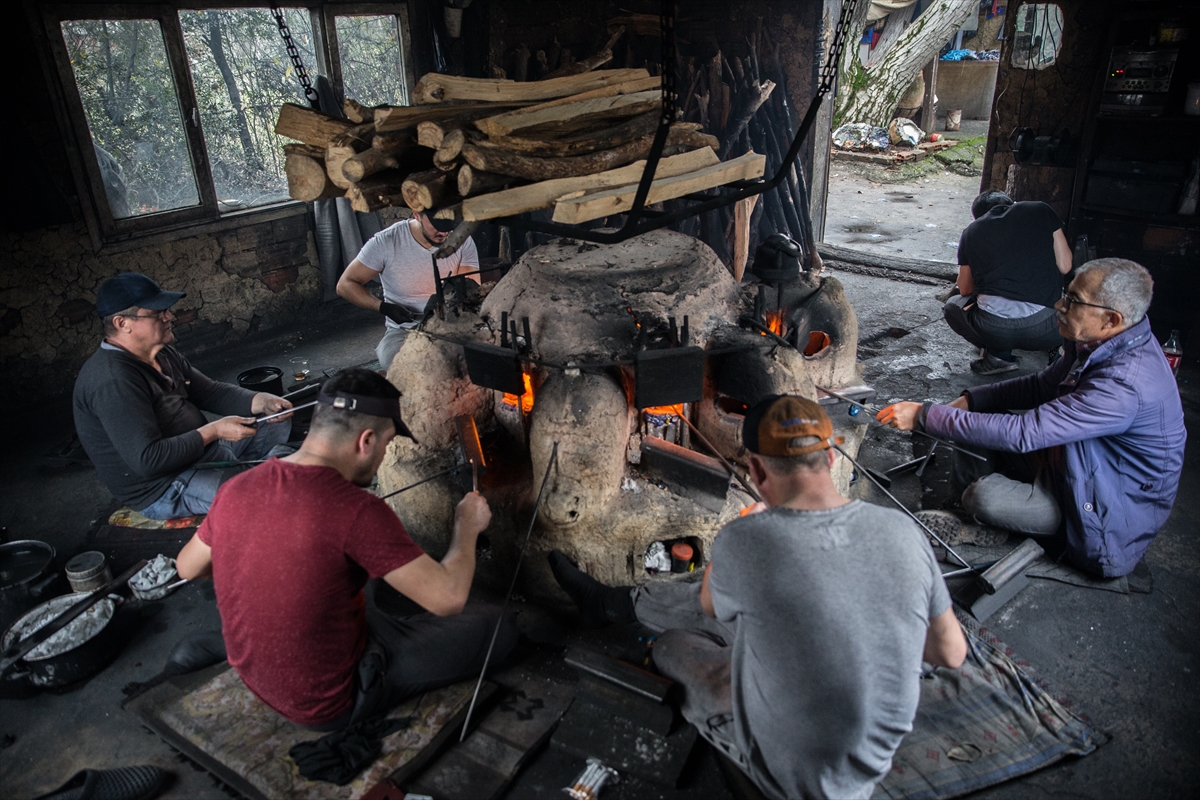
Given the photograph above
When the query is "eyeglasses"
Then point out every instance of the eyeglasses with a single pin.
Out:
(159, 315)
(1069, 301)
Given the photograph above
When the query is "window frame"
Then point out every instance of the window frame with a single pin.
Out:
(193, 220)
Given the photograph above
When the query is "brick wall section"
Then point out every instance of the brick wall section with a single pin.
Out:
(260, 276)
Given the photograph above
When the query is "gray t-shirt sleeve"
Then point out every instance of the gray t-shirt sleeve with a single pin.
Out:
(939, 597)
(375, 253)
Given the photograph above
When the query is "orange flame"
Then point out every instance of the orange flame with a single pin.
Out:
(662, 411)
(775, 322)
(526, 399)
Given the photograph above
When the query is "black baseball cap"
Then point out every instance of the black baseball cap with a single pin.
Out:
(130, 289)
(441, 225)
(386, 407)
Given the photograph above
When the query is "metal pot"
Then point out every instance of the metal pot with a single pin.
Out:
(26, 572)
(53, 664)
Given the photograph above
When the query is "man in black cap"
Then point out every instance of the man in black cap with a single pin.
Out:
(139, 406)
(800, 651)
(291, 545)
(400, 258)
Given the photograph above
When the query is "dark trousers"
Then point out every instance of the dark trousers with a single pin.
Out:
(410, 650)
(1000, 335)
(1010, 491)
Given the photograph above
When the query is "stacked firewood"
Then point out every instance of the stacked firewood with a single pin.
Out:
(476, 149)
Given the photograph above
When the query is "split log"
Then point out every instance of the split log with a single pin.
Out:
(742, 211)
(431, 133)
(307, 179)
(490, 158)
(620, 199)
(395, 118)
(302, 149)
(748, 107)
(451, 147)
(543, 194)
(592, 62)
(378, 191)
(628, 87)
(473, 181)
(357, 112)
(376, 159)
(309, 126)
(570, 117)
(627, 131)
(429, 189)
(437, 88)
(342, 147)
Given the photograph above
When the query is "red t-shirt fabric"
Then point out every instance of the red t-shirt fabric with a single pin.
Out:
(292, 548)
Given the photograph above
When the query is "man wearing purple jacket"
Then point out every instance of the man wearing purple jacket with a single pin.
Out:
(1097, 438)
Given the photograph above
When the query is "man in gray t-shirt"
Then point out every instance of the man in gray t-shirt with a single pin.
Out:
(400, 257)
(800, 652)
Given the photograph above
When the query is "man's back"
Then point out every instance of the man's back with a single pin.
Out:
(831, 610)
(292, 548)
(1010, 251)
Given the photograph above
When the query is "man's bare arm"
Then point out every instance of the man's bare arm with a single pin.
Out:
(194, 561)
(352, 286)
(1062, 252)
(966, 283)
(945, 645)
(442, 587)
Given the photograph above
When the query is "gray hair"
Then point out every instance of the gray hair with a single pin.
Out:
(109, 326)
(788, 465)
(1125, 286)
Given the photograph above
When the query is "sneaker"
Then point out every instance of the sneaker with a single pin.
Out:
(991, 365)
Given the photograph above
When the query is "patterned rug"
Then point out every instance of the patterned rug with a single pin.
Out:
(213, 719)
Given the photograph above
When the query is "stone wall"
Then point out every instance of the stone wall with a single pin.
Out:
(258, 276)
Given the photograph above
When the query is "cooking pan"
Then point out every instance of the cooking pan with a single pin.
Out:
(26, 572)
(83, 648)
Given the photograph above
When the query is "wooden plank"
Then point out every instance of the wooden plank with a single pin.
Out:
(617, 200)
(570, 117)
(490, 158)
(395, 118)
(543, 194)
(308, 126)
(437, 88)
(742, 210)
(628, 87)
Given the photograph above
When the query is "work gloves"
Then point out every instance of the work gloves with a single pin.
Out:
(396, 313)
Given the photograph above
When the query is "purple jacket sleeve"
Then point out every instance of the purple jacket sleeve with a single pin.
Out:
(1091, 411)
(1027, 391)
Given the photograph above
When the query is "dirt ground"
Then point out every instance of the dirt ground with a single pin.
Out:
(915, 210)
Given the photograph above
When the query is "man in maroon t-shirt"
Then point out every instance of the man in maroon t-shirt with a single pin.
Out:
(291, 546)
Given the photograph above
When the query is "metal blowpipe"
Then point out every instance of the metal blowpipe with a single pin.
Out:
(511, 586)
(872, 410)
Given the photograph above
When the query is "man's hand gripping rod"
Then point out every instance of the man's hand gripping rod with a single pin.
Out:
(513, 585)
(872, 410)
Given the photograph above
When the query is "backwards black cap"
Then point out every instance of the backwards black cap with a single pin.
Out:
(387, 407)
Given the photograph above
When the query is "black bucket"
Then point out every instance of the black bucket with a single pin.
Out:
(262, 379)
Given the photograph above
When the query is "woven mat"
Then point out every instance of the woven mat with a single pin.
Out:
(983, 724)
(213, 719)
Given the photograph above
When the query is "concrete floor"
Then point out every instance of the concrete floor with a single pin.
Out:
(1129, 662)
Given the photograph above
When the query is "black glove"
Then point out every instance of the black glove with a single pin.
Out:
(396, 313)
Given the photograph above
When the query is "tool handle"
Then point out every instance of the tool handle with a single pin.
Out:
(21, 649)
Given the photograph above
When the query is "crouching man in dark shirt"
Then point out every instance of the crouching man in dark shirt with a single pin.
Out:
(291, 546)
(139, 407)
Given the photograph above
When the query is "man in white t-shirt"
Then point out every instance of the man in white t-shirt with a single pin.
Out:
(400, 258)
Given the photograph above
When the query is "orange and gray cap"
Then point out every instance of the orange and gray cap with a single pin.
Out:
(779, 425)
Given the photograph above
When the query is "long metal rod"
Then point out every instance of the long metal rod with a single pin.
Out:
(870, 409)
(732, 471)
(902, 507)
(511, 586)
(451, 471)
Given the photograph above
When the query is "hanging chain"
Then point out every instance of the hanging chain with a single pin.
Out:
(310, 94)
(666, 20)
(841, 34)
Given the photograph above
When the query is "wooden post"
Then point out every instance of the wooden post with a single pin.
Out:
(927, 110)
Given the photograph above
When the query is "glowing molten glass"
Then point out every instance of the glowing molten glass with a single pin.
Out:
(526, 399)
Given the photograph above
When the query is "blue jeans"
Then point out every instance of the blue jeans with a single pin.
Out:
(193, 490)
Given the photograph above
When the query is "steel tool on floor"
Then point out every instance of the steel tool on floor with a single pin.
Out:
(508, 596)
(1000, 582)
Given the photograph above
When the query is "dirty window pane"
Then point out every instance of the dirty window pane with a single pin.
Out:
(1038, 36)
(242, 75)
(133, 114)
(372, 59)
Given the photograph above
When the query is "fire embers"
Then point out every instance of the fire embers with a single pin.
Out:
(525, 400)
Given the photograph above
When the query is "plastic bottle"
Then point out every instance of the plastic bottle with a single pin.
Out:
(1173, 350)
